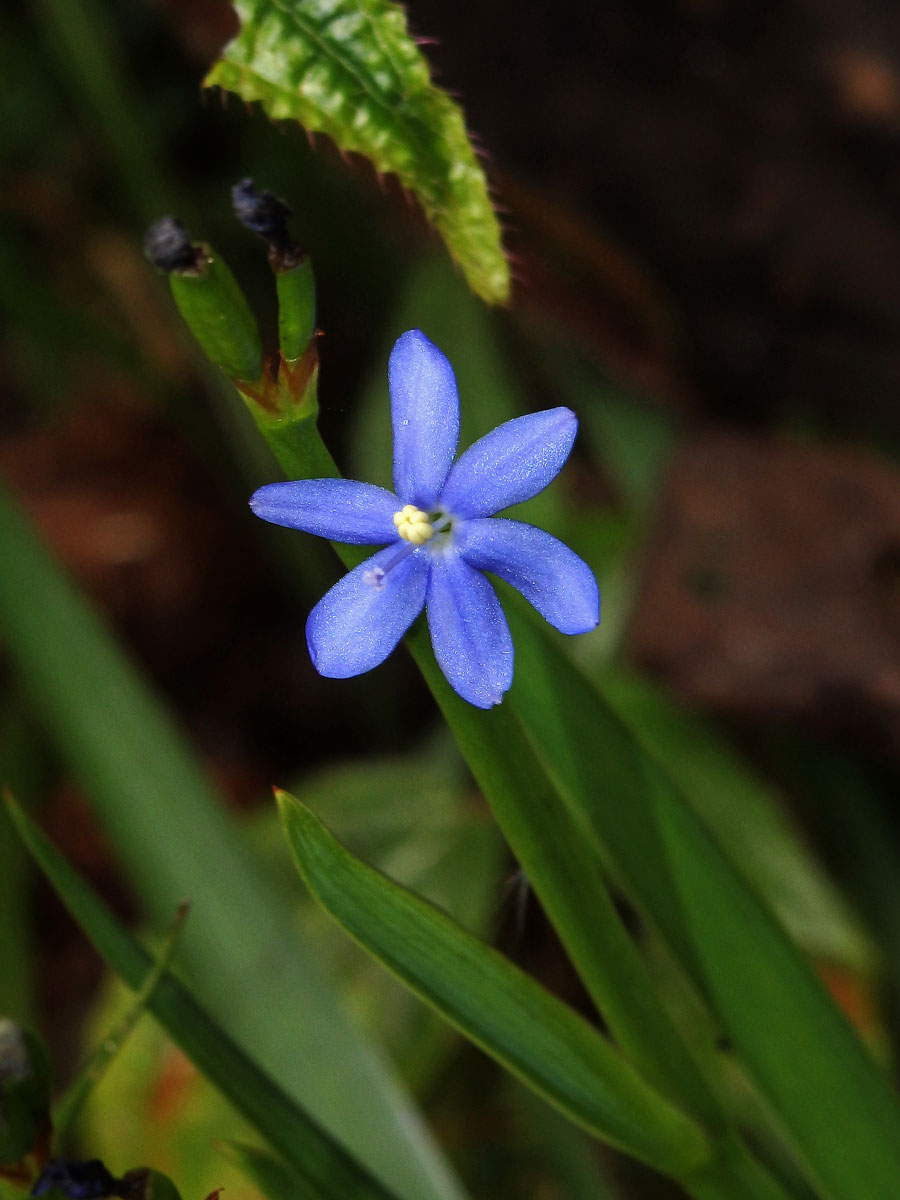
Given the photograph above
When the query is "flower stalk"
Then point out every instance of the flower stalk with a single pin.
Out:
(604, 954)
(266, 214)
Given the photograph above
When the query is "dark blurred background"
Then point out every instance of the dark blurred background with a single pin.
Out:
(702, 198)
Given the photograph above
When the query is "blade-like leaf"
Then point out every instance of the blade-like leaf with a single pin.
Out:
(492, 1002)
(835, 1104)
(556, 850)
(70, 1105)
(241, 951)
(744, 816)
(784, 1026)
(273, 1178)
(350, 69)
(312, 1153)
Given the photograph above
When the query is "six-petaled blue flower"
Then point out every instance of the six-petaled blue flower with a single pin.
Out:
(440, 535)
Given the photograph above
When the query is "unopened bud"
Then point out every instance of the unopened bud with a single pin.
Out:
(209, 299)
(268, 215)
(167, 245)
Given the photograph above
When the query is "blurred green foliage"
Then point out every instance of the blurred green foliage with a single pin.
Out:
(603, 786)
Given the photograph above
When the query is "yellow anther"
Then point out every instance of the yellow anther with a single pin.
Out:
(413, 525)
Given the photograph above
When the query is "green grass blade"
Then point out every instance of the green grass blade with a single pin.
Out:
(243, 956)
(557, 852)
(304, 1144)
(70, 1105)
(349, 69)
(273, 1178)
(833, 1101)
(743, 813)
(492, 1002)
(785, 1028)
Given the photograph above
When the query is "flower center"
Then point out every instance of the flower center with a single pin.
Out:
(413, 525)
(416, 528)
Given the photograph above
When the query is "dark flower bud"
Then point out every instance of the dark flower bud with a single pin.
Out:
(80, 1180)
(262, 212)
(169, 248)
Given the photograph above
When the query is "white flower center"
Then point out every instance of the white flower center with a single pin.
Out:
(413, 525)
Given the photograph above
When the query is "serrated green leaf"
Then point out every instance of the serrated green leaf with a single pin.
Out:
(493, 1003)
(349, 69)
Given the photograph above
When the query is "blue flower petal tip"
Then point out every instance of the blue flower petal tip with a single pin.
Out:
(440, 533)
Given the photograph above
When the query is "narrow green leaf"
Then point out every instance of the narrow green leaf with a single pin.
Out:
(598, 768)
(273, 1178)
(68, 1108)
(290, 1130)
(745, 816)
(784, 1025)
(171, 831)
(554, 847)
(832, 1099)
(492, 1002)
(349, 69)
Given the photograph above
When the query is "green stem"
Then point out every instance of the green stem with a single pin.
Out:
(296, 289)
(569, 881)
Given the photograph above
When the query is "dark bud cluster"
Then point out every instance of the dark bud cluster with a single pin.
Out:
(88, 1180)
(266, 214)
(168, 246)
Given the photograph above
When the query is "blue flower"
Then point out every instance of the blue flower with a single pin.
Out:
(439, 536)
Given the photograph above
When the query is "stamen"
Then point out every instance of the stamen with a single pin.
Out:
(413, 525)
(376, 576)
(415, 528)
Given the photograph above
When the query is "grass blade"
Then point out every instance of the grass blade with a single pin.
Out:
(243, 955)
(833, 1101)
(304, 1144)
(492, 1002)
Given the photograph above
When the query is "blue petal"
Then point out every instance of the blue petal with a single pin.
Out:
(513, 462)
(425, 417)
(468, 631)
(559, 584)
(356, 625)
(340, 509)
